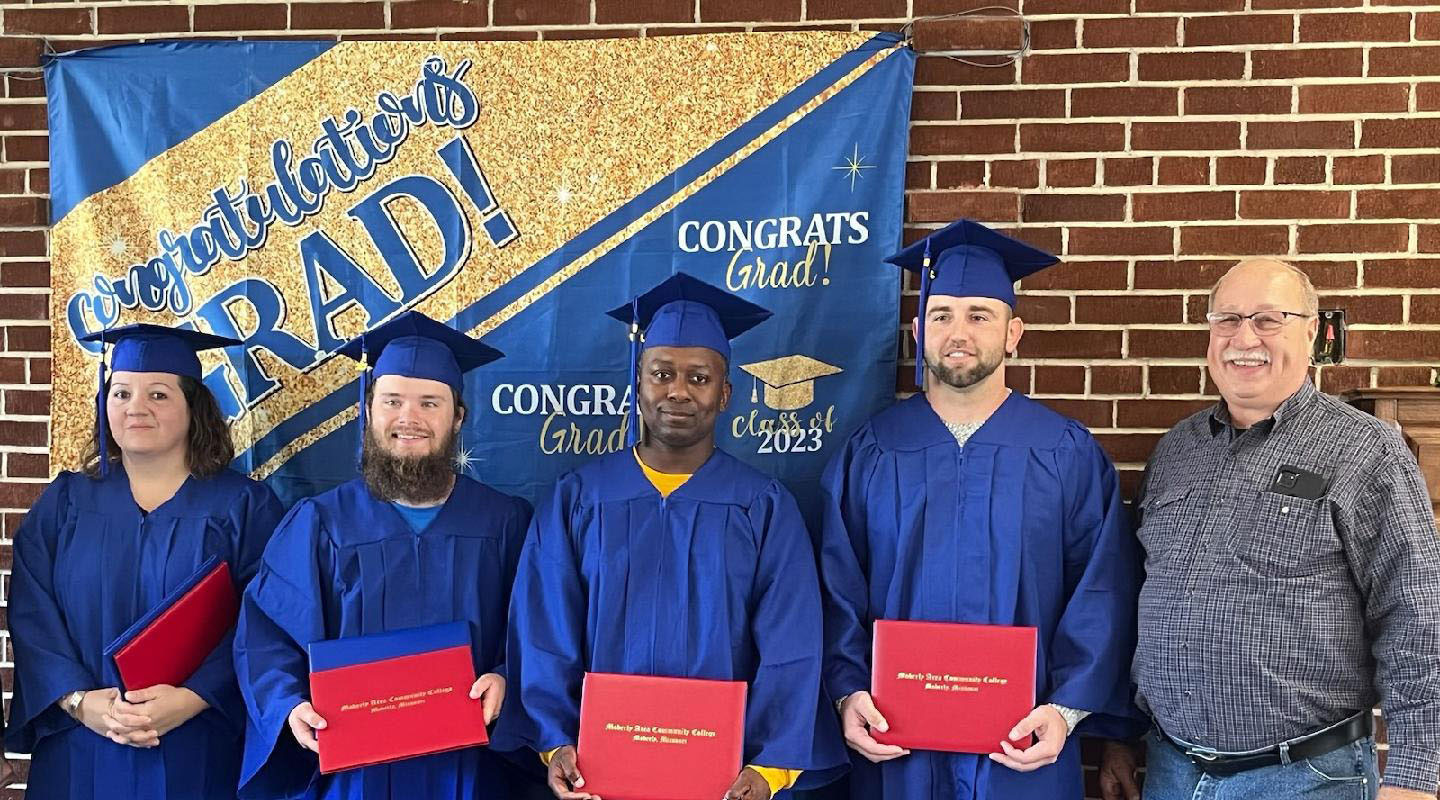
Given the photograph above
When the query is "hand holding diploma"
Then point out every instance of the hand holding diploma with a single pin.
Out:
(97, 713)
(489, 689)
(857, 716)
(304, 722)
(162, 707)
(1050, 731)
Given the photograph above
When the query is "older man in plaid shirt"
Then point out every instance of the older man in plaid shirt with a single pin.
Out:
(1292, 579)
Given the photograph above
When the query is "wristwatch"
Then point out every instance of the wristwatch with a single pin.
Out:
(72, 703)
(1072, 716)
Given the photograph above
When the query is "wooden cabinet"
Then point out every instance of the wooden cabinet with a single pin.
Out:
(1416, 411)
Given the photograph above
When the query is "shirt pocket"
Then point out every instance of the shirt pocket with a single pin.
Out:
(1288, 537)
(1168, 520)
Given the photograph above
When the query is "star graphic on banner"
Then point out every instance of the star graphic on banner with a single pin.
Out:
(853, 165)
(118, 246)
(464, 460)
(562, 195)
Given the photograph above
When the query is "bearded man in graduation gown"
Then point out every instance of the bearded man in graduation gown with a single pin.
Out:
(972, 503)
(675, 559)
(409, 543)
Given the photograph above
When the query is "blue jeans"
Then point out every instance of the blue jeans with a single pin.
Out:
(1349, 772)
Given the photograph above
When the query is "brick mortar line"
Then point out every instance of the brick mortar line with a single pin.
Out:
(1291, 222)
(1062, 155)
(1191, 83)
(1245, 119)
(1188, 293)
(1158, 327)
(1181, 188)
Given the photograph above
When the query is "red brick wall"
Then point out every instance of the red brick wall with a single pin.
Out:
(1148, 141)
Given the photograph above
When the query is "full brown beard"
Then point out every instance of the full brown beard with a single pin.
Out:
(413, 479)
(963, 378)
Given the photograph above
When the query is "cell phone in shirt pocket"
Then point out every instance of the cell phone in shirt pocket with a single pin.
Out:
(1299, 483)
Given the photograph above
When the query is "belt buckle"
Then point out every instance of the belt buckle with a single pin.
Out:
(1198, 754)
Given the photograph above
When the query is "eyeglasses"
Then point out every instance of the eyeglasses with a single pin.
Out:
(1264, 322)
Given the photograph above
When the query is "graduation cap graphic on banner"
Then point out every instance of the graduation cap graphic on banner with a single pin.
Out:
(789, 381)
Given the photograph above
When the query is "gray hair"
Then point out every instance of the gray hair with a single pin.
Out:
(1312, 298)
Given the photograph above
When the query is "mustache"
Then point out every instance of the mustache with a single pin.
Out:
(1232, 354)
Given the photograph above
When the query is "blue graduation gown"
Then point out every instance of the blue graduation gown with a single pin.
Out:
(1023, 526)
(345, 563)
(88, 563)
(716, 581)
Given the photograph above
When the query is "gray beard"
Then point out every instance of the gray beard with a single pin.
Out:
(418, 479)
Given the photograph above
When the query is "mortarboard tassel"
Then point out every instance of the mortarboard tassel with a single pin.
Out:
(364, 385)
(632, 434)
(926, 273)
(102, 420)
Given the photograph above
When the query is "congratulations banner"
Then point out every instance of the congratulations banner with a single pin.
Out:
(294, 194)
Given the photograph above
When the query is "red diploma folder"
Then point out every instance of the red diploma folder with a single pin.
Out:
(175, 637)
(395, 695)
(950, 686)
(649, 738)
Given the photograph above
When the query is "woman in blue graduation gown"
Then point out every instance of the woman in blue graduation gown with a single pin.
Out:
(409, 543)
(99, 550)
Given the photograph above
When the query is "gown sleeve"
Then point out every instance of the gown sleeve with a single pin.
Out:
(545, 653)
(48, 665)
(1094, 642)
(280, 614)
(788, 723)
(512, 540)
(252, 521)
(844, 549)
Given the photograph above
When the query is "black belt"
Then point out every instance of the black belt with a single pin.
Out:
(1322, 741)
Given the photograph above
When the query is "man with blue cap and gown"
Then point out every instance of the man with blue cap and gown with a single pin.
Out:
(675, 559)
(407, 544)
(156, 500)
(971, 503)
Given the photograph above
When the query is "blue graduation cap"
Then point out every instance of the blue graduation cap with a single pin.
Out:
(971, 261)
(413, 345)
(147, 348)
(682, 311)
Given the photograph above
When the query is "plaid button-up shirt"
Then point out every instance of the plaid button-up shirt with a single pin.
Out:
(1263, 616)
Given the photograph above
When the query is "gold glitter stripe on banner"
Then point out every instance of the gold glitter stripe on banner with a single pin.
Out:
(303, 441)
(573, 268)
